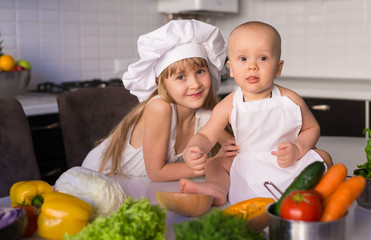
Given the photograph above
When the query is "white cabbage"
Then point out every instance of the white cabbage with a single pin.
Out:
(103, 193)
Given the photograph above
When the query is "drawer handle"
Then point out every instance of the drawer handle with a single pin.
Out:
(55, 125)
(322, 107)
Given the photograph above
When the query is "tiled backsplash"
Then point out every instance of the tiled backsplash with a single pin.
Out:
(321, 38)
(67, 40)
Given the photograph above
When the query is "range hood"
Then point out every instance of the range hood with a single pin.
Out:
(197, 6)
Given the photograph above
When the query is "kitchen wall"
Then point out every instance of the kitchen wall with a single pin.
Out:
(68, 40)
(321, 38)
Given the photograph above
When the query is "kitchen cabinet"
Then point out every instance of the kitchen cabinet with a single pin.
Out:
(48, 145)
(339, 117)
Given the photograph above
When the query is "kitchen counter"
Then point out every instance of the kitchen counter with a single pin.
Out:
(351, 89)
(357, 222)
(38, 103)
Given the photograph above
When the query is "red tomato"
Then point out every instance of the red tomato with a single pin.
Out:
(302, 205)
(32, 214)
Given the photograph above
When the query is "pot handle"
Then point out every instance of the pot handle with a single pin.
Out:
(274, 186)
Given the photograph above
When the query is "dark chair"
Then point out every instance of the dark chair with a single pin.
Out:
(17, 156)
(89, 114)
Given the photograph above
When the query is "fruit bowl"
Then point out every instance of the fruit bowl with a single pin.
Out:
(14, 83)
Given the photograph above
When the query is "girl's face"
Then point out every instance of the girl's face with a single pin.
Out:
(189, 86)
(254, 61)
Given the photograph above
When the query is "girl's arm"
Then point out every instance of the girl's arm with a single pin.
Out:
(157, 121)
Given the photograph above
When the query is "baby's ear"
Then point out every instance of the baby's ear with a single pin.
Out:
(279, 68)
(230, 69)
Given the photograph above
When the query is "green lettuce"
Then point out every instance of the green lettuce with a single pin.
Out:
(366, 167)
(216, 225)
(136, 219)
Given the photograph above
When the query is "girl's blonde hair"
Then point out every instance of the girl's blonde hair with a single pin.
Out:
(119, 134)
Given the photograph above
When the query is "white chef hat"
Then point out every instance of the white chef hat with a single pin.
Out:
(176, 40)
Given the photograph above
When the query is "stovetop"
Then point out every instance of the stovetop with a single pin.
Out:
(50, 87)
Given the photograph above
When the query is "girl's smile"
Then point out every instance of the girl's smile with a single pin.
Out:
(196, 95)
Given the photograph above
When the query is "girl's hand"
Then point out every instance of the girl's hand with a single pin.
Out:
(195, 159)
(228, 149)
(287, 154)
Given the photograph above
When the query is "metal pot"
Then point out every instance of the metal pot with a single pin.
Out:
(282, 229)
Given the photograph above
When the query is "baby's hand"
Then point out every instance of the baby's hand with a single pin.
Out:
(287, 154)
(195, 159)
(228, 149)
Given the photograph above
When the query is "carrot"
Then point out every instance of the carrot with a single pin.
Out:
(331, 180)
(342, 198)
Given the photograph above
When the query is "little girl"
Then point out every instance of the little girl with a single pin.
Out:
(175, 79)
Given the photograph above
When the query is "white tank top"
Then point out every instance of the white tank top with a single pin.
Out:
(132, 161)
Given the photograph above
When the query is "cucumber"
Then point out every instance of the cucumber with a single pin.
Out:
(307, 179)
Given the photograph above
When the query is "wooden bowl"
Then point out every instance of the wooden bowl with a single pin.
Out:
(186, 204)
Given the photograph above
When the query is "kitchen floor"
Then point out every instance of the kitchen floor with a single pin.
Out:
(346, 150)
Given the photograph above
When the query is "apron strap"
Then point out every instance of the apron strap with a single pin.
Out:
(275, 92)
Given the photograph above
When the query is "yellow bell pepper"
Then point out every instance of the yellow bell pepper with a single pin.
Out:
(62, 213)
(26, 193)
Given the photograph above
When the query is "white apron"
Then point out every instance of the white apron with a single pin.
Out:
(259, 127)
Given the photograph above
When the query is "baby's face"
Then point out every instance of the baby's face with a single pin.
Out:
(254, 59)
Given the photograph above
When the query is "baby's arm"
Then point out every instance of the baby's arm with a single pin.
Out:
(157, 121)
(201, 143)
(308, 136)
